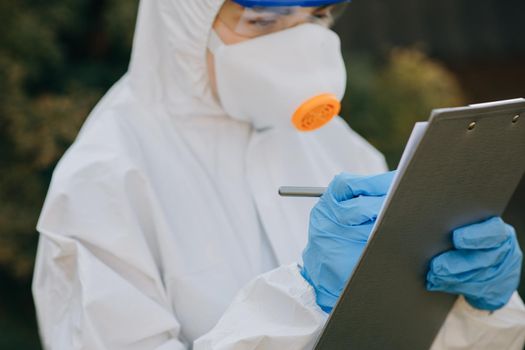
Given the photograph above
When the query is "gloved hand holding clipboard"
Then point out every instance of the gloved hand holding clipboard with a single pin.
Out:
(461, 168)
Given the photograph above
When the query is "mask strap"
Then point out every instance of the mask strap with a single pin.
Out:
(214, 42)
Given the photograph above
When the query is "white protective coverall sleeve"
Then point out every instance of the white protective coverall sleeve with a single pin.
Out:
(275, 311)
(256, 325)
(95, 266)
(97, 284)
(469, 328)
(88, 315)
(87, 284)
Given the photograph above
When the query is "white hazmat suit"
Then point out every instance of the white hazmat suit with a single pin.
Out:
(162, 228)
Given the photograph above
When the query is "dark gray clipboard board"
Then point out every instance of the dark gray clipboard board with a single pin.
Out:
(455, 177)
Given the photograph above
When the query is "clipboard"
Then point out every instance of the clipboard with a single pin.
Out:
(464, 169)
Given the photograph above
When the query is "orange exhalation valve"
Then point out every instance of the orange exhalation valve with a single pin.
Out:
(316, 112)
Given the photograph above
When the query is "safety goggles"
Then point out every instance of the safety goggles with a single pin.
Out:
(253, 18)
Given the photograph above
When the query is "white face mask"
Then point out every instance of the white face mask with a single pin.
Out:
(295, 77)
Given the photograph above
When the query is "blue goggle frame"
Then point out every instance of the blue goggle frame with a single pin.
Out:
(276, 3)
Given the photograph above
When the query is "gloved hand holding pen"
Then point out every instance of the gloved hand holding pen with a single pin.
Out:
(340, 225)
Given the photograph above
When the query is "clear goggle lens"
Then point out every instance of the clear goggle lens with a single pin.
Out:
(252, 22)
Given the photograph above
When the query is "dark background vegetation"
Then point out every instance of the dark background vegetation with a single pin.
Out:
(58, 57)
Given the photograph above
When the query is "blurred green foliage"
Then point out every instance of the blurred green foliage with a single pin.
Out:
(56, 59)
(384, 99)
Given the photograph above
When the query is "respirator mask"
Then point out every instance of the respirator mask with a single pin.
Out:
(293, 78)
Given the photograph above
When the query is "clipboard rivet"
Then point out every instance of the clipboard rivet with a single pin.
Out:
(472, 126)
(516, 118)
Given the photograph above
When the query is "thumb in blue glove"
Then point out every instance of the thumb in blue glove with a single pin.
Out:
(340, 225)
(485, 267)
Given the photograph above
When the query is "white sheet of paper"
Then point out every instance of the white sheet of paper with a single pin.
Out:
(415, 138)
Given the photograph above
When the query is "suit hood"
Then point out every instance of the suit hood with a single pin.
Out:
(168, 64)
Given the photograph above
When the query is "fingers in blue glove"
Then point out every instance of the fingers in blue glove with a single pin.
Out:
(324, 231)
(485, 267)
(485, 235)
(346, 186)
(340, 225)
(459, 262)
(487, 288)
(351, 212)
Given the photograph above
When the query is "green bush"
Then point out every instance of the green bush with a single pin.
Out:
(56, 60)
(385, 99)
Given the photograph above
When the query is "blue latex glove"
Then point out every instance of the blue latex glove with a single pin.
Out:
(485, 267)
(340, 224)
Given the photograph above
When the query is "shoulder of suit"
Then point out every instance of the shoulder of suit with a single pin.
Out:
(106, 147)
(344, 137)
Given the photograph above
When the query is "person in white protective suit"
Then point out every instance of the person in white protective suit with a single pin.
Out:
(162, 228)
